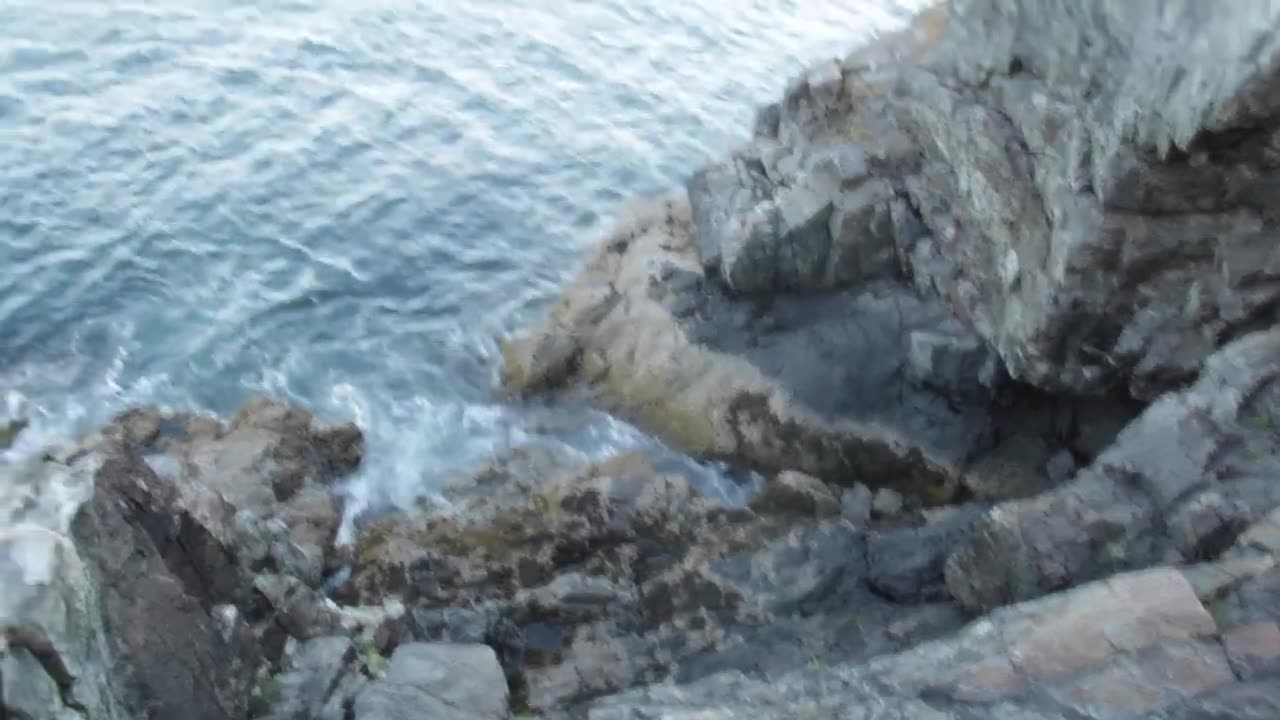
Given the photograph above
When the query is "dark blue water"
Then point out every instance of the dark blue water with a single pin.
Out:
(346, 204)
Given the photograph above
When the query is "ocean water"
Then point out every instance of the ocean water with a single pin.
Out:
(347, 204)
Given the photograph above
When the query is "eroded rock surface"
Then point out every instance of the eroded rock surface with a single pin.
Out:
(873, 384)
(1137, 645)
(1179, 485)
(129, 561)
(615, 575)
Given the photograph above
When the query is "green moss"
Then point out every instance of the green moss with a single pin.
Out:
(1218, 611)
(264, 699)
(372, 661)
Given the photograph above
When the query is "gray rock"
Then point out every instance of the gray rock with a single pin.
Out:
(28, 691)
(906, 565)
(1013, 469)
(1086, 249)
(755, 384)
(164, 584)
(1143, 498)
(1060, 467)
(1136, 645)
(720, 195)
(129, 558)
(794, 493)
(313, 679)
(437, 680)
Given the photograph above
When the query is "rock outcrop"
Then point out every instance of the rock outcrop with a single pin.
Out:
(130, 561)
(1007, 194)
(875, 384)
(1180, 484)
(949, 269)
(994, 305)
(615, 575)
(1137, 645)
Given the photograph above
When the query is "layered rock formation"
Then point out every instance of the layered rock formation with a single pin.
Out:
(992, 303)
(955, 264)
(131, 562)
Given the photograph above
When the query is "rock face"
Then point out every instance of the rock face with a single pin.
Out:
(1017, 260)
(614, 575)
(1179, 485)
(920, 400)
(1097, 179)
(129, 561)
(1135, 646)
(953, 267)
(907, 225)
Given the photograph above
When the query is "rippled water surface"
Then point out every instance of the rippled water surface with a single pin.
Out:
(347, 203)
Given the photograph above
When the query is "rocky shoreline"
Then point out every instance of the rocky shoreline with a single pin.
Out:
(993, 303)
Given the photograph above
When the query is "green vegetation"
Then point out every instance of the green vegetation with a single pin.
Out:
(372, 661)
(264, 699)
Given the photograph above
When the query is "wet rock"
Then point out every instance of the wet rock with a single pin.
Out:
(1143, 501)
(437, 680)
(793, 493)
(166, 591)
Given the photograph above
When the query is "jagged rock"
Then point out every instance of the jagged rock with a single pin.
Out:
(1136, 645)
(906, 564)
(316, 685)
(436, 680)
(1097, 187)
(727, 381)
(796, 493)
(1180, 483)
(130, 559)
(613, 575)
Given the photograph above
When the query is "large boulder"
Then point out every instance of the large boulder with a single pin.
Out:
(1180, 484)
(425, 680)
